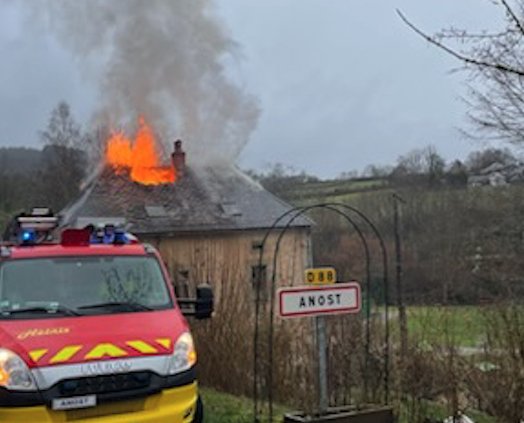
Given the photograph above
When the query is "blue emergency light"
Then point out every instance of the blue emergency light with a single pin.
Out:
(108, 235)
(34, 228)
(84, 237)
(120, 237)
(28, 237)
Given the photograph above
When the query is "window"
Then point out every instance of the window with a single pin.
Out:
(259, 275)
(182, 284)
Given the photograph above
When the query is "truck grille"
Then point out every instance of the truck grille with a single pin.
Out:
(104, 384)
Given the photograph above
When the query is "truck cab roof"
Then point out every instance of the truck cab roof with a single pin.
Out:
(58, 250)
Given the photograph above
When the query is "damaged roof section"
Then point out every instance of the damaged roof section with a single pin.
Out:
(204, 199)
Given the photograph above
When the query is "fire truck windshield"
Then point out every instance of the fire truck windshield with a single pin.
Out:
(58, 287)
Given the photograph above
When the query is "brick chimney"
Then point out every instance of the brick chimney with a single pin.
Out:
(178, 158)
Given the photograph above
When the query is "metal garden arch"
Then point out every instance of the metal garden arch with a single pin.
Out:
(343, 210)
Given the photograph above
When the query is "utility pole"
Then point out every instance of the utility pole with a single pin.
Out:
(397, 201)
(323, 401)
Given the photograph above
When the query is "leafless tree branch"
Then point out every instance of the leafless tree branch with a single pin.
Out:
(468, 60)
(513, 16)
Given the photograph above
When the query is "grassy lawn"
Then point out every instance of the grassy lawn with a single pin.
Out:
(225, 408)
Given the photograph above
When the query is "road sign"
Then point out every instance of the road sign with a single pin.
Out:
(321, 276)
(305, 301)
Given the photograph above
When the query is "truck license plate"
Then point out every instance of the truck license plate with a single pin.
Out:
(74, 402)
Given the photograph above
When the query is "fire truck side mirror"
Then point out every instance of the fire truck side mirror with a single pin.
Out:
(204, 302)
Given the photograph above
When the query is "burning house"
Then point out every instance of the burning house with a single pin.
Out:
(207, 222)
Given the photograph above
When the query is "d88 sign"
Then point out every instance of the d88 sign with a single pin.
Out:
(321, 276)
(304, 301)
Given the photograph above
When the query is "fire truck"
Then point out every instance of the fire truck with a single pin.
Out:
(91, 330)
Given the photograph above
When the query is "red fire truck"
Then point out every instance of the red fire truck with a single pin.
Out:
(90, 329)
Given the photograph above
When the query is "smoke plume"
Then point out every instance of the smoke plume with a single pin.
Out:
(161, 59)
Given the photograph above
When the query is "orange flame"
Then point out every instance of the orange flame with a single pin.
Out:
(139, 158)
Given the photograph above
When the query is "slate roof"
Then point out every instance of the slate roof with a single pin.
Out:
(498, 174)
(205, 199)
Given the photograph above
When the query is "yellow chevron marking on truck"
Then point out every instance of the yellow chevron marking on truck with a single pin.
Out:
(65, 354)
(37, 354)
(165, 342)
(142, 347)
(105, 350)
(99, 351)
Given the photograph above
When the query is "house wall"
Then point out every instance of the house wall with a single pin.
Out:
(229, 257)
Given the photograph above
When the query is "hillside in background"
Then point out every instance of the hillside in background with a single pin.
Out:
(300, 191)
(31, 177)
(459, 242)
(20, 159)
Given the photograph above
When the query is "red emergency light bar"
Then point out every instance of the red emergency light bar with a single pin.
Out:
(75, 237)
(87, 236)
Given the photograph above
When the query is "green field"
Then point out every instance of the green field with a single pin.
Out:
(331, 190)
(462, 326)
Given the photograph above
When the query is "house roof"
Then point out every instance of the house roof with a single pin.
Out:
(494, 167)
(205, 199)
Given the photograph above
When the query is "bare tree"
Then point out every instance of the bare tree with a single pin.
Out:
(478, 160)
(425, 163)
(494, 61)
(64, 159)
(377, 171)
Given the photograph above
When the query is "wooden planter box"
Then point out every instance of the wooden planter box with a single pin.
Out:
(367, 414)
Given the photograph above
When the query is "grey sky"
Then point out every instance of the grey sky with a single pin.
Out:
(341, 83)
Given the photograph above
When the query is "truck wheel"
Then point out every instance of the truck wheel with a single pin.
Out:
(199, 412)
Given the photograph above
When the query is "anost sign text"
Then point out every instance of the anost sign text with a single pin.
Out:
(303, 301)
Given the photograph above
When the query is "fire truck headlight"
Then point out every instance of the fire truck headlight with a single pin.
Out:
(184, 355)
(14, 373)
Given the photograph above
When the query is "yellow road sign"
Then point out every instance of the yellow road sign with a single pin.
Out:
(321, 276)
